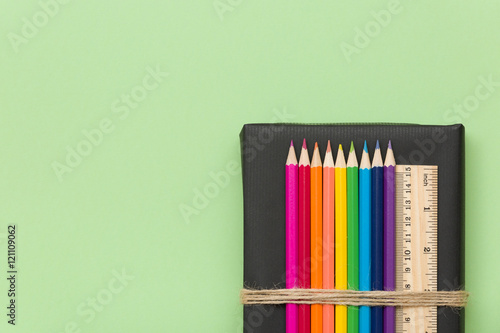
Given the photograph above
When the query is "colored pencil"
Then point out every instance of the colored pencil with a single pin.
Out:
(316, 237)
(340, 238)
(389, 236)
(365, 194)
(292, 238)
(352, 237)
(304, 235)
(377, 235)
(328, 236)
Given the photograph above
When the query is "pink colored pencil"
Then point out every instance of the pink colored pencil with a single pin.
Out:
(292, 237)
(328, 236)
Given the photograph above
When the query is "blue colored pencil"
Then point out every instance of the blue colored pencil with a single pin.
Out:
(389, 237)
(365, 197)
(377, 320)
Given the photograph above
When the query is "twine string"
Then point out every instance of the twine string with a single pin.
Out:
(457, 298)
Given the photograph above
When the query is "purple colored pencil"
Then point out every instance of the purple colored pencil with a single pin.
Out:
(292, 236)
(389, 237)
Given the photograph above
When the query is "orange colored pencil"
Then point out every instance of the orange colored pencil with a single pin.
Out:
(328, 236)
(316, 237)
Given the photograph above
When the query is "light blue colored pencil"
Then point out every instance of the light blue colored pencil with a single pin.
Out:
(365, 193)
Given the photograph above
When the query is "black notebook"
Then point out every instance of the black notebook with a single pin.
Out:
(264, 148)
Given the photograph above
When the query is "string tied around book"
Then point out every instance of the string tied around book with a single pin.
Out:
(455, 298)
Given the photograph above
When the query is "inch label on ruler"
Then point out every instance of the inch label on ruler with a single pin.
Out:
(416, 243)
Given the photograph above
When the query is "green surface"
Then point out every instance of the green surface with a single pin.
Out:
(118, 209)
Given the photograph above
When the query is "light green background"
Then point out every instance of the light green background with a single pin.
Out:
(119, 209)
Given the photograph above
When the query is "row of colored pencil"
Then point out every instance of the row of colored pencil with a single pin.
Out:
(340, 235)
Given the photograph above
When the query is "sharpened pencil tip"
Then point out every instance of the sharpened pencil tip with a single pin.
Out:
(390, 144)
(291, 143)
(365, 148)
(340, 162)
(316, 159)
(378, 145)
(352, 147)
(328, 148)
(304, 144)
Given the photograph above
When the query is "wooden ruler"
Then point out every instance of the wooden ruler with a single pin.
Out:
(416, 242)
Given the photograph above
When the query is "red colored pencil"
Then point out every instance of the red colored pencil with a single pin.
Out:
(304, 235)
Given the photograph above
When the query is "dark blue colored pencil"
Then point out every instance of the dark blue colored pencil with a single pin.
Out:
(377, 319)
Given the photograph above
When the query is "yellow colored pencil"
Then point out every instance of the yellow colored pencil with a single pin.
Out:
(340, 238)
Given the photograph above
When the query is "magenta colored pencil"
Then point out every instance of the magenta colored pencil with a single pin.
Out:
(292, 237)
(389, 237)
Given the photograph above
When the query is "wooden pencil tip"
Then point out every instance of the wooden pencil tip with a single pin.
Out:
(352, 147)
(340, 163)
(328, 148)
(378, 145)
(304, 144)
(291, 143)
(390, 144)
(316, 159)
(365, 148)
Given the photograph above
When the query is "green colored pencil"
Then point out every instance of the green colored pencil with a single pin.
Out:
(352, 237)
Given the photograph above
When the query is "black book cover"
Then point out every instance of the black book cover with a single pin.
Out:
(264, 148)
